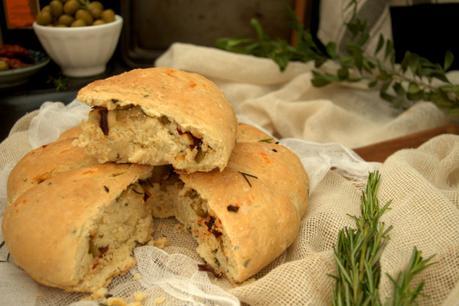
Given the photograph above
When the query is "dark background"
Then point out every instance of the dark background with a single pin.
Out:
(428, 30)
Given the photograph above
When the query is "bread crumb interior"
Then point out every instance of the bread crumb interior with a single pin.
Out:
(128, 135)
(123, 224)
(170, 197)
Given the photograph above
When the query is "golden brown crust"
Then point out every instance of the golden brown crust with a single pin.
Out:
(41, 163)
(71, 133)
(46, 229)
(248, 133)
(192, 101)
(268, 184)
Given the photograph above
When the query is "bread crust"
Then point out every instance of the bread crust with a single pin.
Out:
(248, 133)
(268, 185)
(46, 229)
(71, 133)
(192, 101)
(42, 163)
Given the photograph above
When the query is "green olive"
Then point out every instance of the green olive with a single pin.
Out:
(66, 20)
(98, 22)
(95, 12)
(96, 4)
(60, 25)
(4, 66)
(70, 7)
(46, 8)
(85, 16)
(44, 18)
(108, 16)
(57, 8)
(78, 23)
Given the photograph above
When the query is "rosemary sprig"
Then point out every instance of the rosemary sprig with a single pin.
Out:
(276, 49)
(358, 253)
(403, 295)
(359, 250)
(413, 80)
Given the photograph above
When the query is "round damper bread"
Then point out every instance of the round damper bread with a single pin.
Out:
(76, 231)
(245, 216)
(43, 162)
(159, 116)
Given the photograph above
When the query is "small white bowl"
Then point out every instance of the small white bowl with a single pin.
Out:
(80, 51)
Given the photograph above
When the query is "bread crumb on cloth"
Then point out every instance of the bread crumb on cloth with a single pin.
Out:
(160, 300)
(116, 301)
(161, 242)
(139, 296)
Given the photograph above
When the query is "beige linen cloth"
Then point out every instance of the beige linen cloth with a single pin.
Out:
(422, 183)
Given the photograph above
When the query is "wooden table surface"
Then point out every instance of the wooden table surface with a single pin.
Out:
(380, 151)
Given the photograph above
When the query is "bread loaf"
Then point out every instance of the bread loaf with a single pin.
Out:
(73, 222)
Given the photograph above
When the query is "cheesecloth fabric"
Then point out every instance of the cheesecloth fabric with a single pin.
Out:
(422, 183)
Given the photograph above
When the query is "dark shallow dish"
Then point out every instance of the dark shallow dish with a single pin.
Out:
(14, 77)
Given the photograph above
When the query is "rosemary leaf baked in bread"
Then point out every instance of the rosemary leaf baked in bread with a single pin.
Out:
(158, 116)
(243, 217)
(43, 162)
(76, 231)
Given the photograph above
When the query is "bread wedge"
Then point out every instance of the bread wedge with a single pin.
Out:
(76, 230)
(159, 116)
(243, 217)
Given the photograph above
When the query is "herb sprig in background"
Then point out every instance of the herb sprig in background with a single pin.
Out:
(403, 84)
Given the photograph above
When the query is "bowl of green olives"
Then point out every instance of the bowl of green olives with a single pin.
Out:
(79, 35)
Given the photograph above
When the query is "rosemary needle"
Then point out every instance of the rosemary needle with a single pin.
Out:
(267, 140)
(246, 177)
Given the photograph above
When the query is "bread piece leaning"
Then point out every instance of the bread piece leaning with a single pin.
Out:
(159, 116)
(243, 217)
(76, 230)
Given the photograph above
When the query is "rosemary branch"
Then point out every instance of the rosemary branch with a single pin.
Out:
(359, 250)
(358, 253)
(403, 295)
(400, 84)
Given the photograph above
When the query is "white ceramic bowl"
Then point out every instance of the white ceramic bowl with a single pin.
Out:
(80, 51)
